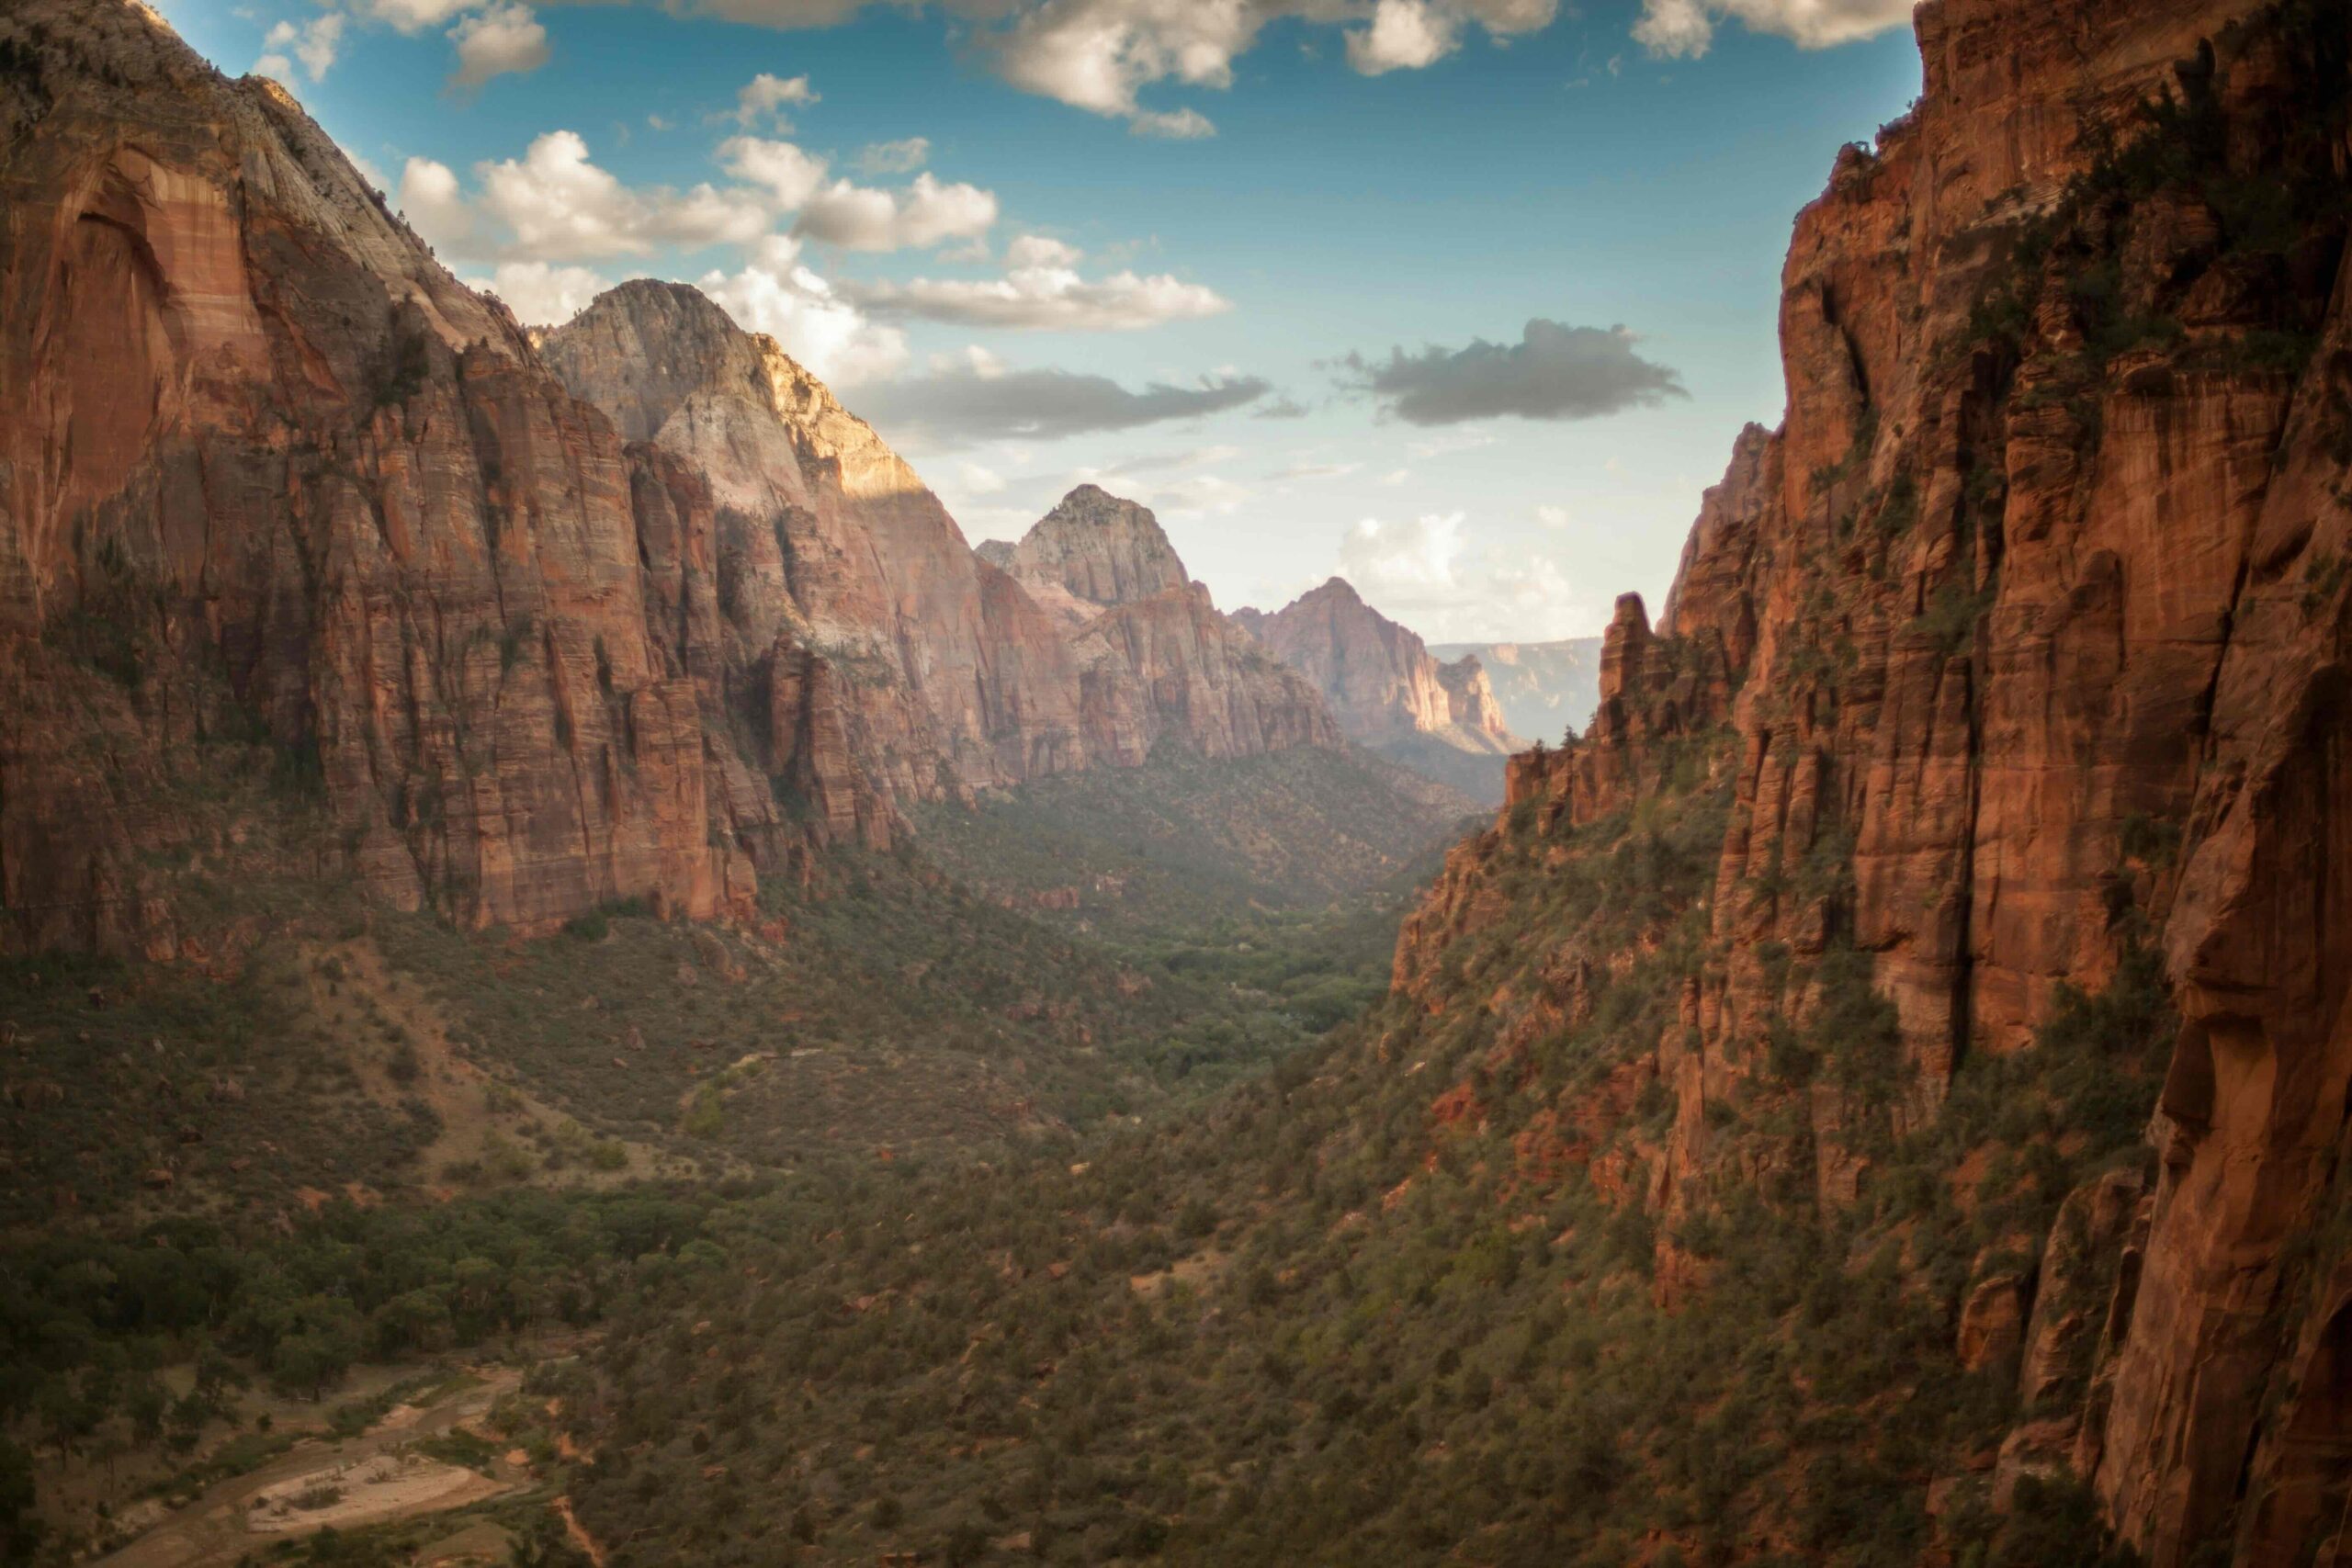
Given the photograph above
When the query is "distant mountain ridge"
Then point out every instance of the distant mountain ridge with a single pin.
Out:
(1387, 688)
(1544, 688)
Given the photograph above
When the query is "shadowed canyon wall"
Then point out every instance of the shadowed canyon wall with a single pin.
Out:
(2029, 629)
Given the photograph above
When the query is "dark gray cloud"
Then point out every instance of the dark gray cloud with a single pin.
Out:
(1552, 372)
(958, 406)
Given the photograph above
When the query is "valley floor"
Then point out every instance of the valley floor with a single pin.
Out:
(385, 1476)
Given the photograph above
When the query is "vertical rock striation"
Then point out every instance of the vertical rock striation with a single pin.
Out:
(2028, 631)
(828, 549)
(638, 611)
(1387, 690)
(1158, 663)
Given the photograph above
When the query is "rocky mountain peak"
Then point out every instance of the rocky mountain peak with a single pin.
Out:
(1101, 549)
(1387, 688)
(644, 348)
(1334, 591)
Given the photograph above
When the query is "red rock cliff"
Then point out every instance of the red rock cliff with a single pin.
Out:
(2029, 625)
(280, 497)
(270, 472)
(828, 547)
(1379, 677)
(1156, 660)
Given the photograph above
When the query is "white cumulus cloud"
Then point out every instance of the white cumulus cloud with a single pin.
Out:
(766, 97)
(555, 204)
(507, 39)
(1404, 35)
(1100, 55)
(415, 16)
(1038, 250)
(789, 174)
(540, 294)
(1683, 29)
(926, 213)
(776, 293)
(313, 43)
(435, 204)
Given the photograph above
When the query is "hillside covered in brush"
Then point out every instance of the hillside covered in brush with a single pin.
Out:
(1877, 1098)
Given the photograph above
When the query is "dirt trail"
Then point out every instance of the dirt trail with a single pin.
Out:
(578, 1532)
(376, 1481)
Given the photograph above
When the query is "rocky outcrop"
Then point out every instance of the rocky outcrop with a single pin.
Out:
(281, 500)
(1157, 663)
(1387, 690)
(274, 483)
(1092, 552)
(1540, 688)
(1470, 702)
(2027, 633)
(829, 549)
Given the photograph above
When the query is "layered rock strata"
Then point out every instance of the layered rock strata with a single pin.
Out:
(2028, 631)
(638, 611)
(1387, 688)
(1157, 662)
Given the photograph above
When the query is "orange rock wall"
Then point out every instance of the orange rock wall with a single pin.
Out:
(543, 624)
(2046, 639)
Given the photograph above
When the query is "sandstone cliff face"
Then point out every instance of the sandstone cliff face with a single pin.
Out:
(1379, 677)
(2027, 631)
(1471, 705)
(829, 549)
(280, 498)
(274, 479)
(1387, 691)
(1091, 551)
(1541, 688)
(1157, 662)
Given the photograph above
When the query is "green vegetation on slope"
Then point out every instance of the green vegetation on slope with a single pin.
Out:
(1398, 1303)
(1185, 842)
(357, 1137)
(882, 1004)
(159, 1342)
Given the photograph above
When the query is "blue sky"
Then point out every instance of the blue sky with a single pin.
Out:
(1463, 299)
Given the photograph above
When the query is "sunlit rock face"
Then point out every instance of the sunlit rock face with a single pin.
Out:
(828, 547)
(1094, 551)
(1388, 692)
(275, 477)
(638, 609)
(1159, 664)
(2029, 625)
(1379, 677)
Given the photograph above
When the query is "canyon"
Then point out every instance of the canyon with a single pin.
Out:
(1876, 1092)
(631, 609)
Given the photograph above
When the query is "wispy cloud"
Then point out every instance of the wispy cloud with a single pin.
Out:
(959, 405)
